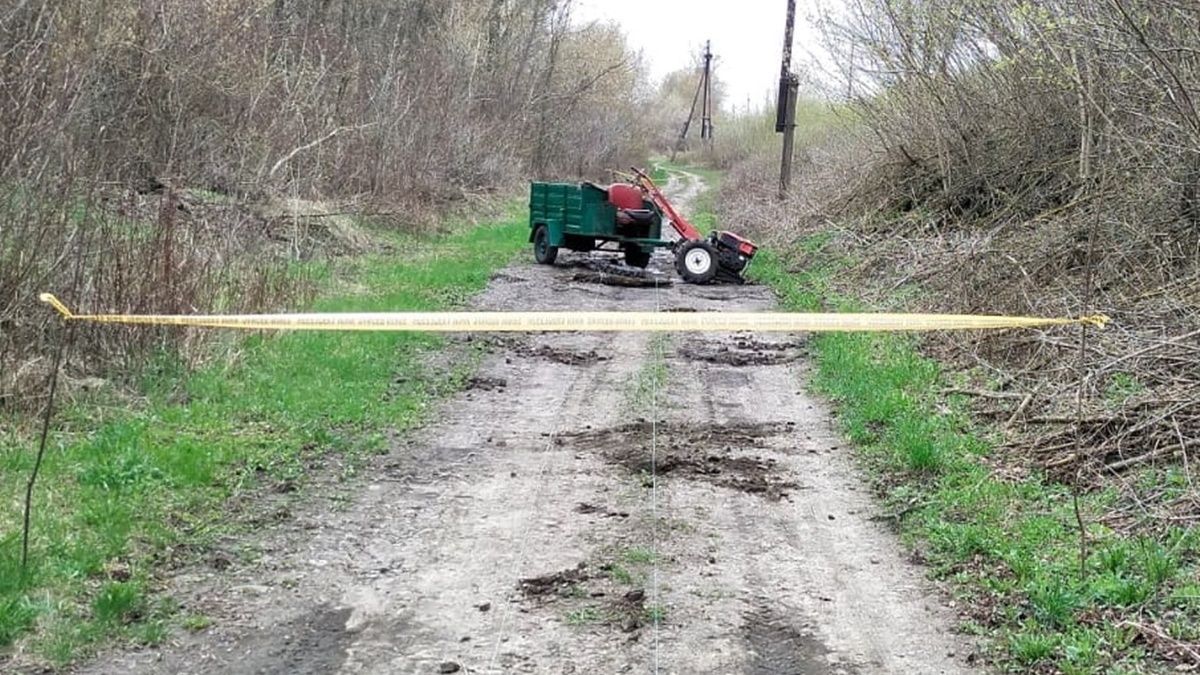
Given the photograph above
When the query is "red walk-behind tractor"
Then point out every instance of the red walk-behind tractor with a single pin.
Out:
(587, 217)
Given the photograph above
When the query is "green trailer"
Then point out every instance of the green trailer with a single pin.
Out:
(584, 217)
(631, 217)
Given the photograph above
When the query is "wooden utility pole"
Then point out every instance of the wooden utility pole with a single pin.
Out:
(706, 125)
(704, 86)
(785, 109)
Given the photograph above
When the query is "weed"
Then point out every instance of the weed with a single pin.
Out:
(1054, 603)
(196, 622)
(640, 556)
(1122, 387)
(646, 390)
(151, 633)
(655, 614)
(583, 616)
(16, 616)
(1187, 596)
(1158, 563)
(1032, 646)
(620, 574)
(1121, 591)
(119, 602)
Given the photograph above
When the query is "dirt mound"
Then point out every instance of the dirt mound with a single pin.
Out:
(744, 351)
(597, 599)
(564, 356)
(560, 583)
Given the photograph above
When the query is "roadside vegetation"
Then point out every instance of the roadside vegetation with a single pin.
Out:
(1007, 543)
(141, 482)
(1019, 158)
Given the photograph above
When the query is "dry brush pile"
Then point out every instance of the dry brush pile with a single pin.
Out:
(147, 149)
(1030, 158)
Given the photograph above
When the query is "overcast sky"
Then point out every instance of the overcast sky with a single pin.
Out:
(747, 37)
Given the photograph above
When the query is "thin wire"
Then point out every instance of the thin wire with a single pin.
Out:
(655, 607)
(521, 554)
(65, 337)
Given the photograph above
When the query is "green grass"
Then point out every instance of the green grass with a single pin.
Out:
(584, 616)
(125, 491)
(638, 555)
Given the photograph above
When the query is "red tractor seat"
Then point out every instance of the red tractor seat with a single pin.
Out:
(631, 209)
(625, 196)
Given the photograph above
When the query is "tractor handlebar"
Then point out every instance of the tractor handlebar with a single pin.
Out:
(685, 229)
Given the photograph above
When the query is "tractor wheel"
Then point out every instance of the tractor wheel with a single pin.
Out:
(543, 252)
(696, 262)
(636, 256)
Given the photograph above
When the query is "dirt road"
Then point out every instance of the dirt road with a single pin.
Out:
(593, 503)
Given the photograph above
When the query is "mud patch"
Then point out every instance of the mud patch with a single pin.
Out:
(778, 647)
(628, 279)
(744, 351)
(715, 454)
(587, 598)
(310, 644)
(591, 509)
(563, 584)
(563, 356)
(480, 383)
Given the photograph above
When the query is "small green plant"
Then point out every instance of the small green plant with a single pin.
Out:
(196, 622)
(16, 616)
(583, 616)
(620, 574)
(1187, 596)
(119, 602)
(1054, 603)
(647, 389)
(1114, 557)
(1158, 563)
(1121, 590)
(1031, 646)
(152, 632)
(1122, 387)
(638, 555)
(655, 614)
(918, 444)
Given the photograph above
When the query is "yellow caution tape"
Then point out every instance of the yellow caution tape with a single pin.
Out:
(494, 322)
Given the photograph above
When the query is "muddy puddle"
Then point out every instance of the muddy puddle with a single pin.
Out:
(721, 455)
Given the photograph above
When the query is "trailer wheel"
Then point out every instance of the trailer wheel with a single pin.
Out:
(543, 252)
(635, 256)
(696, 262)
